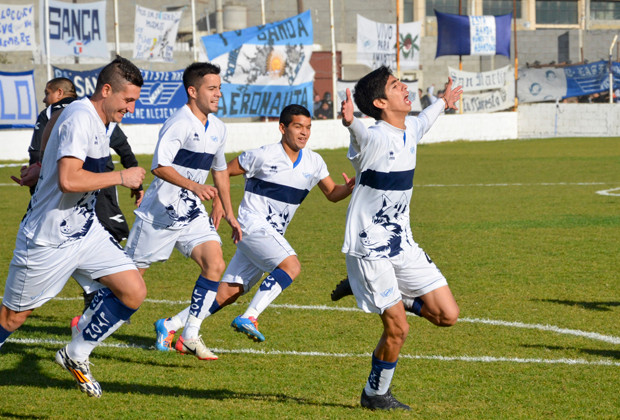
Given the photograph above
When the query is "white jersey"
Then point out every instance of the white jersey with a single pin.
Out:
(275, 186)
(55, 218)
(384, 158)
(192, 149)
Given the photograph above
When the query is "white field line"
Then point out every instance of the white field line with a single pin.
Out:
(551, 328)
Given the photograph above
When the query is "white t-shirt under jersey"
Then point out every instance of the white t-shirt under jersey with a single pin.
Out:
(192, 149)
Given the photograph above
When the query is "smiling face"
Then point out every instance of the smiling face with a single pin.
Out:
(295, 136)
(116, 104)
(207, 94)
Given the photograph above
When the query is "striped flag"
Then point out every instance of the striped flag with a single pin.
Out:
(473, 35)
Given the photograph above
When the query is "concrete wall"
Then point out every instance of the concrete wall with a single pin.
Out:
(531, 121)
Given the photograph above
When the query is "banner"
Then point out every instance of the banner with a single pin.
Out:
(18, 105)
(154, 34)
(412, 85)
(76, 29)
(16, 27)
(496, 100)
(473, 35)
(550, 84)
(488, 80)
(264, 68)
(84, 81)
(376, 44)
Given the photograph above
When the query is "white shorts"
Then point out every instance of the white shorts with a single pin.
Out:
(38, 273)
(148, 243)
(380, 284)
(257, 253)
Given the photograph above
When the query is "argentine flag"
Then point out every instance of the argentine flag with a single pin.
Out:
(264, 68)
(473, 35)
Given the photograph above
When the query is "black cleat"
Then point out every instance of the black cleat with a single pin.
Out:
(382, 402)
(342, 289)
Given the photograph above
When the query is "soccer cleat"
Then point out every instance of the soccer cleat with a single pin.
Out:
(74, 326)
(382, 402)
(81, 373)
(248, 326)
(164, 336)
(342, 289)
(196, 347)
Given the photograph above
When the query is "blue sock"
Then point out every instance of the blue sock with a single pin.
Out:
(269, 289)
(417, 306)
(4, 334)
(203, 297)
(380, 376)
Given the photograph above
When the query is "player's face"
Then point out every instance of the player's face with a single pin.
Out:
(208, 94)
(397, 95)
(51, 96)
(297, 133)
(117, 104)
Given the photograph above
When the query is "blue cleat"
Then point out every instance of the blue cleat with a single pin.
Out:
(164, 336)
(248, 326)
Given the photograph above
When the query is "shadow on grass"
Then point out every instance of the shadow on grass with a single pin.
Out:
(30, 373)
(614, 354)
(593, 306)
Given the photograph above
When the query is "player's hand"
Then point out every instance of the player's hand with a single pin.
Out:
(452, 96)
(349, 182)
(204, 192)
(347, 110)
(139, 195)
(132, 177)
(237, 235)
(28, 175)
(217, 212)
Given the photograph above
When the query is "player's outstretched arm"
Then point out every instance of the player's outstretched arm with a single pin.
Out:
(169, 174)
(452, 96)
(347, 109)
(222, 183)
(335, 192)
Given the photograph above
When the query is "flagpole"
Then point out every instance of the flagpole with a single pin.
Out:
(460, 67)
(117, 44)
(262, 11)
(194, 49)
(398, 38)
(514, 17)
(47, 40)
(334, 86)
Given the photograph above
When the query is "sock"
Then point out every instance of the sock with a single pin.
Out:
(203, 304)
(4, 334)
(268, 291)
(105, 315)
(380, 377)
(178, 321)
(413, 305)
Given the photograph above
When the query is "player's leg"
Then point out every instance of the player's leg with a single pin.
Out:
(10, 321)
(440, 307)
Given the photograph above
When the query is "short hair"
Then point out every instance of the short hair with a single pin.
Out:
(371, 87)
(117, 73)
(193, 74)
(63, 83)
(289, 111)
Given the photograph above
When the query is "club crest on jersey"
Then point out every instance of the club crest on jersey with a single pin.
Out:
(307, 175)
(277, 218)
(214, 139)
(383, 237)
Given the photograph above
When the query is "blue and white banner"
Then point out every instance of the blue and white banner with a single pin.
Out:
(550, 84)
(486, 80)
(155, 33)
(75, 29)
(18, 105)
(376, 44)
(264, 68)
(161, 95)
(473, 35)
(16, 27)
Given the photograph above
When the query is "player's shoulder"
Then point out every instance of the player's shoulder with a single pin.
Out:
(216, 122)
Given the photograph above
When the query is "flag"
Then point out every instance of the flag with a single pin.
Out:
(264, 68)
(18, 105)
(155, 33)
(473, 35)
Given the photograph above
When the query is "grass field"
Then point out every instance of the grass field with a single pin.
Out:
(529, 248)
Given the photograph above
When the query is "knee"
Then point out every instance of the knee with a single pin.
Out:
(449, 316)
(213, 268)
(397, 334)
(11, 320)
(291, 266)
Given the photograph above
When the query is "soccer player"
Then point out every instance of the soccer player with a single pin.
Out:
(277, 179)
(61, 235)
(191, 142)
(388, 272)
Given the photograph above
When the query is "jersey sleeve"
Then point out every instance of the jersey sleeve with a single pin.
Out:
(73, 135)
(251, 161)
(169, 144)
(425, 120)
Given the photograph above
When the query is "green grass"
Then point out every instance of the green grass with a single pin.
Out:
(515, 226)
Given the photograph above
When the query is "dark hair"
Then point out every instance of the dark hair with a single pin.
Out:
(369, 88)
(117, 73)
(193, 74)
(289, 111)
(63, 83)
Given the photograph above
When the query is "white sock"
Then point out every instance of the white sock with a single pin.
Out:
(192, 328)
(178, 321)
(268, 291)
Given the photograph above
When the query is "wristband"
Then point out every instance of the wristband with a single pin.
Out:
(121, 172)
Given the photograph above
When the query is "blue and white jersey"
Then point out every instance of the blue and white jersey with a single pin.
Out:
(384, 158)
(192, 149)
(55, 218)
(275, 186)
